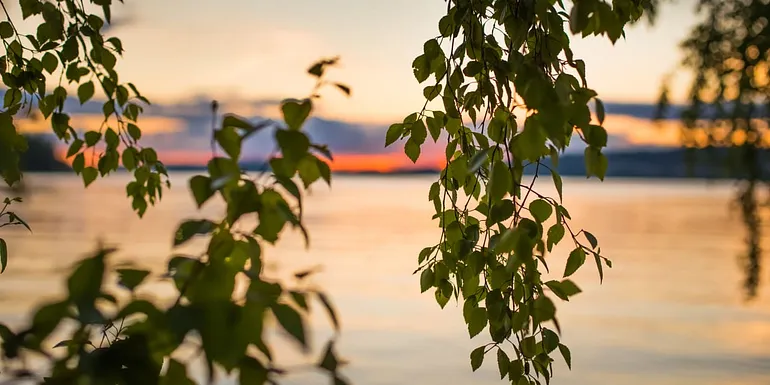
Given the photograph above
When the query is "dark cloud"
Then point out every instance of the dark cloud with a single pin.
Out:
(341, 137)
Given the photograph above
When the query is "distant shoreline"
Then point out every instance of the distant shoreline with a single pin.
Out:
(714, 164)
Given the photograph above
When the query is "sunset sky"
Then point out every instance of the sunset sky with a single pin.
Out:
(251, 53)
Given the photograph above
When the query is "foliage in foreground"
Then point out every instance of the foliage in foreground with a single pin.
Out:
(223, 300)
(505, 90)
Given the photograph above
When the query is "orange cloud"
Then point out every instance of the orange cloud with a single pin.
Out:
(383, 162)
(639, 131)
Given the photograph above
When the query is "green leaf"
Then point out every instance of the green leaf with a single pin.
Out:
(189, 229)
(230, 141)
(564, 350)
(503, 363)
(295, 112)
(541, 210)
(92, 137)
(131, 278)
(569, 288)
(430, 92)
(591, 239)
(343, 88)
(252, 372)
(290, 321)
(329, 360)
(576, 259)
(434, 127)
(470, 280)
(596, 162)
(231, 120)
(3, 255)
(78, 163)
(599, 110)
(201, 189)
(85, 282)
(308, 170)
(528, 346)
(294, 144)
(558, 183)
(550, 340)
(129, 159)
(299, 298)
(500, 182)
(85, 91)
(599, 267)
(50, 62)
(74, 148)
(412, 150)
(326, 172)
(134, 131)
(6, 30)
(427, 280)
(477, 357)
(418, 132)
(441, 299)
(111, 138)
(555, 235)
(89, 175)
(329, 309)
(395, 131)
(477, 321)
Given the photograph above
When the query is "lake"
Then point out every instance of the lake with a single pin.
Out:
(671, 311)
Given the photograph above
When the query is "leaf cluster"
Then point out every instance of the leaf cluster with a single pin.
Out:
(505, 91)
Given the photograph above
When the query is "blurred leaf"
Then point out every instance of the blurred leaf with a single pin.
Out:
(329, 360)
(252, 372)
(291, 321)
(343, 88)
(131, 278)
(329, 309)
(295, 112)
(230, 141)
(191, 228)
(235, 121)
(294, 144)
(599, 110)
(176, 374)
(200, 186)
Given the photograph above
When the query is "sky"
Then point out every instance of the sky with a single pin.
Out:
(249, 54)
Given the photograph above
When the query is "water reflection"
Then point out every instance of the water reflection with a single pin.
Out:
(671, 311)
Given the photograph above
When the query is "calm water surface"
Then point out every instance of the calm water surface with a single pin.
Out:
(671, 311)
